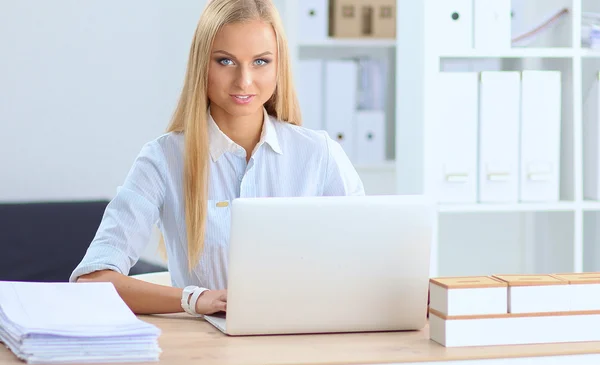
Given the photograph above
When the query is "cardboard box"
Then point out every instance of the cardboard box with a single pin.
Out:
(344, 19)
(384, 20)
(478, 295)
(362, 18)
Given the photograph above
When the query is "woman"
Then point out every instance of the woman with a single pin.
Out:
(235, 133)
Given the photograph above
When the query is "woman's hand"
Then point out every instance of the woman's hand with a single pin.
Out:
(212, 301)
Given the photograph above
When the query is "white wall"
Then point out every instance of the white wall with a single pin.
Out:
(84, 84)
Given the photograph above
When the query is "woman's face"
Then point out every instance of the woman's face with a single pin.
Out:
(242, 72)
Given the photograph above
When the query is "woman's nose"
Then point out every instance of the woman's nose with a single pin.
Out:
(244, 78)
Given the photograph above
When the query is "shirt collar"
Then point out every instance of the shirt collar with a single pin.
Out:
(219, 142)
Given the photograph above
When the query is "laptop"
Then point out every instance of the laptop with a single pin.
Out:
(327, 265)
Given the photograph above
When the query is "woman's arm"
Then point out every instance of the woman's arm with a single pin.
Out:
(127, 222)
(147, 298)
(125, 231)
(140, 296)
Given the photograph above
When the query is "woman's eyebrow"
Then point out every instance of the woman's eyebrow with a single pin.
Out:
(232, 56)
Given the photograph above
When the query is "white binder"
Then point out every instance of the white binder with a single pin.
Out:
(540, 135)
(499, 116)
(455, 143)
(310, 93)
(492, 24)
(591, 141)
(341, 89)
(451, 24)
(313, 20)
(370, 136)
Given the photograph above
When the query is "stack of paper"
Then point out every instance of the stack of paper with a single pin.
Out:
(73, 323)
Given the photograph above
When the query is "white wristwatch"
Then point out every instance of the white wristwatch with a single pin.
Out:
(189, 304)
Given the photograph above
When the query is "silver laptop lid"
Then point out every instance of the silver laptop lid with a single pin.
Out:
(329, 264)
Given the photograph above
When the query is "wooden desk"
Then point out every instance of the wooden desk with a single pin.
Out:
(186, 340)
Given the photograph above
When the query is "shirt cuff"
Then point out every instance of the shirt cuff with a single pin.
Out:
(101, 257)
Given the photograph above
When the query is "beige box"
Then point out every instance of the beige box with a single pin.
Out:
(536, 293)
(384, 18)
(459, 296)
(344, 19)
(362, 18)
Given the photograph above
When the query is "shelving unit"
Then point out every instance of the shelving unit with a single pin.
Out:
(378, 178)
(481, 239)
(535, 226)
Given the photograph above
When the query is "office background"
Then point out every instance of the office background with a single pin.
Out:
(84, 84)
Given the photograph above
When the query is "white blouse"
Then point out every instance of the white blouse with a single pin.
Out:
(288, 161)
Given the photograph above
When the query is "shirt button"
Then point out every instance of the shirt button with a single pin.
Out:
(241, 177)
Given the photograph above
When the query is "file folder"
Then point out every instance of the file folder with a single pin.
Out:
(499, 119)
(313, 20)
(591, 140)
(341, 90)
(370, 136)
(455, 143)
(451, 24)
(540, 135)
(310, 93)
(492, 24)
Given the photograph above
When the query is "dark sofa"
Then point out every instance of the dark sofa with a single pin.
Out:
(46, 241)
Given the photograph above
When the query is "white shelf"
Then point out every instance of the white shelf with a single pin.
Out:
(514, 53)
(562, 206)
(350, 43)
(382, 166)
(590, 206)
(590, 53)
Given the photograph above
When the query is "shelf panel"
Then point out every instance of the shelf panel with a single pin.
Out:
(562, 206)
(514, 53)
(350, 42)
(590, 53)
(382, 166)
(589, 205)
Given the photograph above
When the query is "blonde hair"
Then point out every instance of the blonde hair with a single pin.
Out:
(190, 115)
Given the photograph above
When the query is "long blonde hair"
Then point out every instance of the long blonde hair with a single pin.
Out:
(190, 116)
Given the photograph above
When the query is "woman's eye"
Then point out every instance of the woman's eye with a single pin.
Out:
(226, 62)
(261, 62)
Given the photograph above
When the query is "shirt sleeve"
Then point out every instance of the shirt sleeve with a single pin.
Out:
(127, 222)
(341, 177)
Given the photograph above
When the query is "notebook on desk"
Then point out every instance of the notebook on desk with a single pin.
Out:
(327, 264)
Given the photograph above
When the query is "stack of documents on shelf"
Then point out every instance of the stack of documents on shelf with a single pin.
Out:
(73, 323)
(514, 309)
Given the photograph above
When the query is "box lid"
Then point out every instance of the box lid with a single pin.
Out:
(580, 278)
(467, 282)
(531, 280)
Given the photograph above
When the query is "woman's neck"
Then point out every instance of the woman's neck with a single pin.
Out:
(243, 130)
